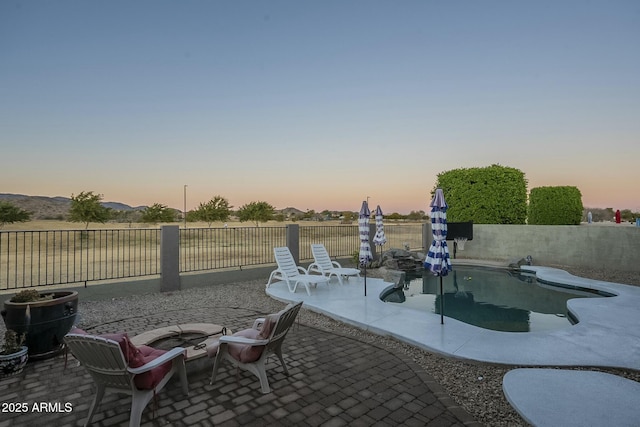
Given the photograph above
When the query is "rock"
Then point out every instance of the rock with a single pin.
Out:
(400, 259)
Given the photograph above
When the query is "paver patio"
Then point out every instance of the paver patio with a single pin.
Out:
(335, 380)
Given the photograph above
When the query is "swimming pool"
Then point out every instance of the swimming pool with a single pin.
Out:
(495, 299)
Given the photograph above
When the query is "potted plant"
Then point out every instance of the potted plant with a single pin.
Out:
(44, 317)
(13, 354)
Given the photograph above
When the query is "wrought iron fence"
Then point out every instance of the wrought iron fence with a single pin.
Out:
(340, 240)
(39, 258)
(216, 248)
(344, 240)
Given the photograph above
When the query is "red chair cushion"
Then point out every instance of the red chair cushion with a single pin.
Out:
(244, 353)
(136, 357)
(150, 379)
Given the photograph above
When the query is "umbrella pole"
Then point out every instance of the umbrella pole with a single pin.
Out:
(365, 279)
(441, 303)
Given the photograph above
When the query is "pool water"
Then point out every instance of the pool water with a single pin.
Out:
(500, 300)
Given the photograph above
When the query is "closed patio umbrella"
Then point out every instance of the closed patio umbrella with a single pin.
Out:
(365, 255)
(438, 260)
(379, 239)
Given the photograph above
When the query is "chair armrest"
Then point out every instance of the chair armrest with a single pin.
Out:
(313, 266)
(228, 339)
(302, 270)
(259, 321)
(169, 355)
(336, 264)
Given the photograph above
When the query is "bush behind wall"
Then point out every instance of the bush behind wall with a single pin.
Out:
(561, 205)
(488, 195)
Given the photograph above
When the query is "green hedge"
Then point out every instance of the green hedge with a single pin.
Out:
(488, 195)
(555, 206)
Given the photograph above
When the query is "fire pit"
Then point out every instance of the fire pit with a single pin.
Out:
(194, 337)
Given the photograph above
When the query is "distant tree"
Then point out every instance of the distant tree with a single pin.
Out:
(216, 209)
(394, 216)
(490, 195)
(10, 214)
(192, 216)
(279, 217)
(86, 207)
(256, 212)
(627, 215)
(416, 215)
(129, 216)
(158, 213)
(348, 217)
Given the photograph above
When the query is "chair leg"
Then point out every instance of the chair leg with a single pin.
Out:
(216, 365)
(259, 370)
(264, 382)
(278, 352)
(306, 286)
(293, 288)
(273, 273)
(96, 402)
(137, 407)
(182, 372)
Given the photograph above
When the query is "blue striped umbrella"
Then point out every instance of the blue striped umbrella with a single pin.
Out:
(438, 260)
(365, 255)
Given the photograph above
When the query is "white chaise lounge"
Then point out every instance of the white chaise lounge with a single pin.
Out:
(322, 264)
(293, 274)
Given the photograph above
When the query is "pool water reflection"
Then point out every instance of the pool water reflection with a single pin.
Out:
(495, 299)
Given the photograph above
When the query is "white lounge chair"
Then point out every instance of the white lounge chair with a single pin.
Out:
(291, 273)
(249, 349)
(146, 373)
(322, 264)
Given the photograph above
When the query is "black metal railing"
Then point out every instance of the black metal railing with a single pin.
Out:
(58, 257)
(340, 241)
(216, 248)
(38, 258)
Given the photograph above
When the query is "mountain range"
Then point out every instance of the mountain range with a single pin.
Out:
(43, 207)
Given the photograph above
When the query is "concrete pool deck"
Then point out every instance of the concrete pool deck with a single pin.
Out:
(607, 335)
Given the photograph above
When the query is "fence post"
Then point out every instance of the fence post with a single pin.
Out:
(427, 236)
(374, 249)
(170, 258)
(293, 241)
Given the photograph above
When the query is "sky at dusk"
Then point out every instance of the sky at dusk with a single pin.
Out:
(317, 104)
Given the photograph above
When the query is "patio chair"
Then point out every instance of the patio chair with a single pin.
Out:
(117, 365)
(322, 264)
(250, 348)
(291, 273)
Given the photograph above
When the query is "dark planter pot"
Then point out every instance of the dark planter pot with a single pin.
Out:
(45, 322)
(12, 364)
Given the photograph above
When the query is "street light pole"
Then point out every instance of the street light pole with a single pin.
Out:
(185, 206)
